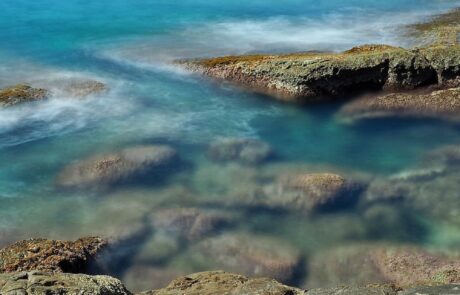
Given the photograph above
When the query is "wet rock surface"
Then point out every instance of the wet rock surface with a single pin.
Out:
(442, 104)
(252, 255)
(308, 77)
(218, 282)
(245, 151)
(50, 255)
(109, 169)
(39, 283)
(21, 93)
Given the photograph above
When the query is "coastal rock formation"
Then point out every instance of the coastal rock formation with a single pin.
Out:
(245, 151)
(441, 104)
(189, 223)
(442, 29)
(307, 193)
(403, 266)
(223, 283)
(109, 169)
(251, 255)
(450, 289)
(307, 77)
(80, 88)
(21, 93)
(50, 255)
(38, 283)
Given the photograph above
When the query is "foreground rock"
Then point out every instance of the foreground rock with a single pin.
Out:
(51, 256)
(442, 104)
(109, 169)
(245, 151)
(307, 77)
(21, 93)
(251, 255)
(402, 266)
(38, 283)
(223, 283)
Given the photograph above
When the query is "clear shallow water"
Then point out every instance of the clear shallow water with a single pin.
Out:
(129, 47)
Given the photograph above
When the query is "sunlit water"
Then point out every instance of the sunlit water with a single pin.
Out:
(129, 45)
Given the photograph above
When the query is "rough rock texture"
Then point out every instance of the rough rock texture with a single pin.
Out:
(51, 255)
(190, 223)
(21, 93)
(452, 289)
(353, 290)
(308, 77)
(441, 104)
(403, 266)
(307, 193)
(246, 151)
(223, 283)
(109, 169)
(37, 283)
(251, 255)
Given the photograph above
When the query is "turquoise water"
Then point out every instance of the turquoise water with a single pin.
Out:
(129, 45)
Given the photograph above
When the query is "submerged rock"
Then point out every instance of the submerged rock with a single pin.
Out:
(308, 77)
(50, 255)
(109, 169)
(307, 193)
(246, 151)
(403, 266)
(21, 93)
(81, 88)
(442, 104)
(223, 283)
(37, 283)
(251, 255)
(189, 223)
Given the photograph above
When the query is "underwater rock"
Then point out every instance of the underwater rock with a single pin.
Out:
(38, 283)
(82, 88)
(189, 223)
(307, 192)
(445, 156)
(223, 283)
(144, 277)
(109, 169)
(358, 265)
(50, 255)
(243, 150)
(441, 104)
(251, 255)
(21, 93)
(308, 77)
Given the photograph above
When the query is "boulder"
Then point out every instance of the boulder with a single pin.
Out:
(360, 265)
(110, 169)
(21, 93)
(50, 255)
(251, 255)
(189, 223)
(223, 283)
(38, 283)
(243, 150)
(441, 104)
(310, 77)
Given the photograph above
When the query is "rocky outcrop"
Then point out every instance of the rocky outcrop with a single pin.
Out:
(50, 255)
(81, 88)
(110, 169)
(189, 223)
(307, 193)
(21, 93)
(251, 255)
(242, 150)
(403, 266)
(441, 104)
(38, 283)
(307, 77)
(450, 289)
(223, 283)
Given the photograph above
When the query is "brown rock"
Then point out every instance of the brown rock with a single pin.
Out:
(21, 93)
(50, 255)
(246, 151)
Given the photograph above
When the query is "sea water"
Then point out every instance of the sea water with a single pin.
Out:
(131, 46)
